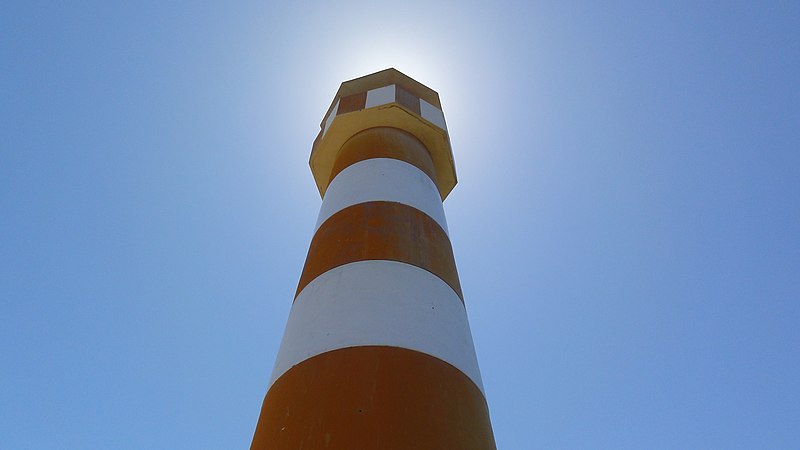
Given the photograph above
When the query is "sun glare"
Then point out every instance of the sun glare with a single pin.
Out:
(407, 56)
(450, 61)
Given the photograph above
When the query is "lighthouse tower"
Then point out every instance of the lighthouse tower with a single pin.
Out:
(377, 352)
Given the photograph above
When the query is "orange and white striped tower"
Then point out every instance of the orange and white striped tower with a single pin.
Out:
(377, 352)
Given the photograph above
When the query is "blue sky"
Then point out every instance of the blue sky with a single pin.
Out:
(626, 223)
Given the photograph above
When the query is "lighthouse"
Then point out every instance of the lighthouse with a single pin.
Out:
(377, 352)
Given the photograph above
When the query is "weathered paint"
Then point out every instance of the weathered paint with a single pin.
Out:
(384, 142)
(407, 99)
(374, 398)
(382, 179)
(378, 303)
(351, 103)
(381, 230)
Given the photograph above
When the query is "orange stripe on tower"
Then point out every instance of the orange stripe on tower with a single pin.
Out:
(381, 230)
(384, 142)
(374, 398)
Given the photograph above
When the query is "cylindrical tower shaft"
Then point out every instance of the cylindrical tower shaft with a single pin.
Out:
(377, 352)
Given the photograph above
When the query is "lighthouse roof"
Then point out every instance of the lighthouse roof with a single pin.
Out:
(387, 98)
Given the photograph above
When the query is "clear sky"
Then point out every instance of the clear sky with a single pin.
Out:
(626, 226)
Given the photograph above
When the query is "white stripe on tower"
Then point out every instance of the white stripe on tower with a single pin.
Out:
(377, 351)
(378, 303)
(382, 179)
